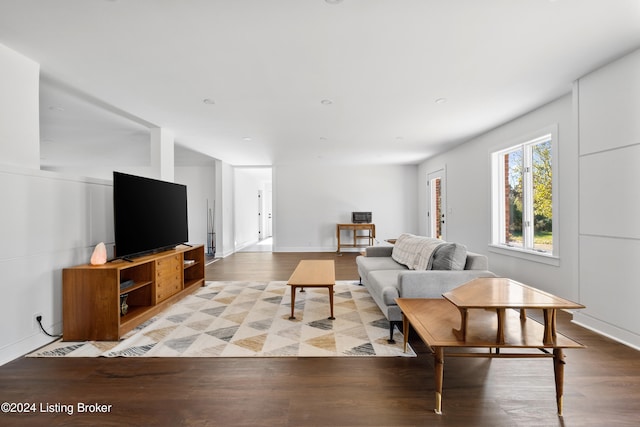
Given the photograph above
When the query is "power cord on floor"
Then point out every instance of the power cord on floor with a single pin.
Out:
(39, 320)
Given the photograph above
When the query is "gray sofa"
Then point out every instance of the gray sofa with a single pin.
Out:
(386, 279)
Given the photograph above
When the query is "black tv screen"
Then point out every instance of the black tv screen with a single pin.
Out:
(149, 215)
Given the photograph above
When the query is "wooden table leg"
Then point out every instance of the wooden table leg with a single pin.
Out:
(438, 356)
(501, 320)
(558, 370)
(549, 325)
(330, 287)
(293, 301)
(461, 333)
(405, 331)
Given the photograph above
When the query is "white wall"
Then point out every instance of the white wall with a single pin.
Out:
(19, 104)
(49, 222)
(200, 182)
(469, 193)
(609, 112)
(310, 200)
(224, 218)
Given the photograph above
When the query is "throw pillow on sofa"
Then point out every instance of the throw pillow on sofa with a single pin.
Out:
(449, 256)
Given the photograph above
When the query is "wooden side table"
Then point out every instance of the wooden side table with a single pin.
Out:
(370, 236)
(434, 321)
(499, 294)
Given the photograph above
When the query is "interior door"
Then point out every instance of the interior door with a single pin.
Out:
(265, 217)
(268, 220)
(436, 205)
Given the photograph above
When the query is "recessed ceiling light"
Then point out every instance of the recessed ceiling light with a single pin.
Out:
(246, 138)
(56, 108)
(333, 1)
(209, 101)
(326, 102)
(441, 100)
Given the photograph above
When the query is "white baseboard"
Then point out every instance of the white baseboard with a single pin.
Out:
(26, 346)
(608, 330)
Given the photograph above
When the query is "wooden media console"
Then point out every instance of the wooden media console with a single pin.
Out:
(92, 294)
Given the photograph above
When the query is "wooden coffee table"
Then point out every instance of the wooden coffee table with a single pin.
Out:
(434, 321)
(313, 274)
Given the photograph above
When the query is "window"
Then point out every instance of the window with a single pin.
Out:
(522, 192)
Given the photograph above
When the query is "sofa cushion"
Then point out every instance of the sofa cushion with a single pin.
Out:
(414, 251)
(378, 263)
(449, 256)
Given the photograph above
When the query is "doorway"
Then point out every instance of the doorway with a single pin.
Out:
(253, 214)
(436, 204)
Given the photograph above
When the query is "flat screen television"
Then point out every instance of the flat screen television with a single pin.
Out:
(149, 215)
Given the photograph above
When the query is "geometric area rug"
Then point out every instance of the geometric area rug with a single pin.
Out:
(251, 319)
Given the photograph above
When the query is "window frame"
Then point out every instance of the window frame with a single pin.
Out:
(498, 203)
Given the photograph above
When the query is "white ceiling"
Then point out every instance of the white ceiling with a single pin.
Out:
(113, 68)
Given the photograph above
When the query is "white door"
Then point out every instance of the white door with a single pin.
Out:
(260, 215)
(268, 220)
(436, 205)
(265, 219)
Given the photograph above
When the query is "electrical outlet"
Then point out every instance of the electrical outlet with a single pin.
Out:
(35, 324)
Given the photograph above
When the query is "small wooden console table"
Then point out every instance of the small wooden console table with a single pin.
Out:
(370, 236)
(434, 320)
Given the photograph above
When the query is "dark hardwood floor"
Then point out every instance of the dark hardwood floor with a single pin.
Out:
(602, 382)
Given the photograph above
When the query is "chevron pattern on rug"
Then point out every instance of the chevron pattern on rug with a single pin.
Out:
(251, 319)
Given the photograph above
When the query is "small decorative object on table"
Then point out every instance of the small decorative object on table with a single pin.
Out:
(124, 307)
(99, 255)
(126, 284)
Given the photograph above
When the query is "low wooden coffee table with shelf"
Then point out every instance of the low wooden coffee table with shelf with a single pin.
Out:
(435, 321)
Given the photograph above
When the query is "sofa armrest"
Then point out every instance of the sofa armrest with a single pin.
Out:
(378, 251)
(433, 283)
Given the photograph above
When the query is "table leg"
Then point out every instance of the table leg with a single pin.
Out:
(331, 301)
(558, 370)
(549, 325)
(405, 331)
(461, 333)
(293, 301)
(501, 319)
(439, 374)
(338, 236)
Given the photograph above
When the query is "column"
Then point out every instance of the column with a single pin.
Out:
(162, 154)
